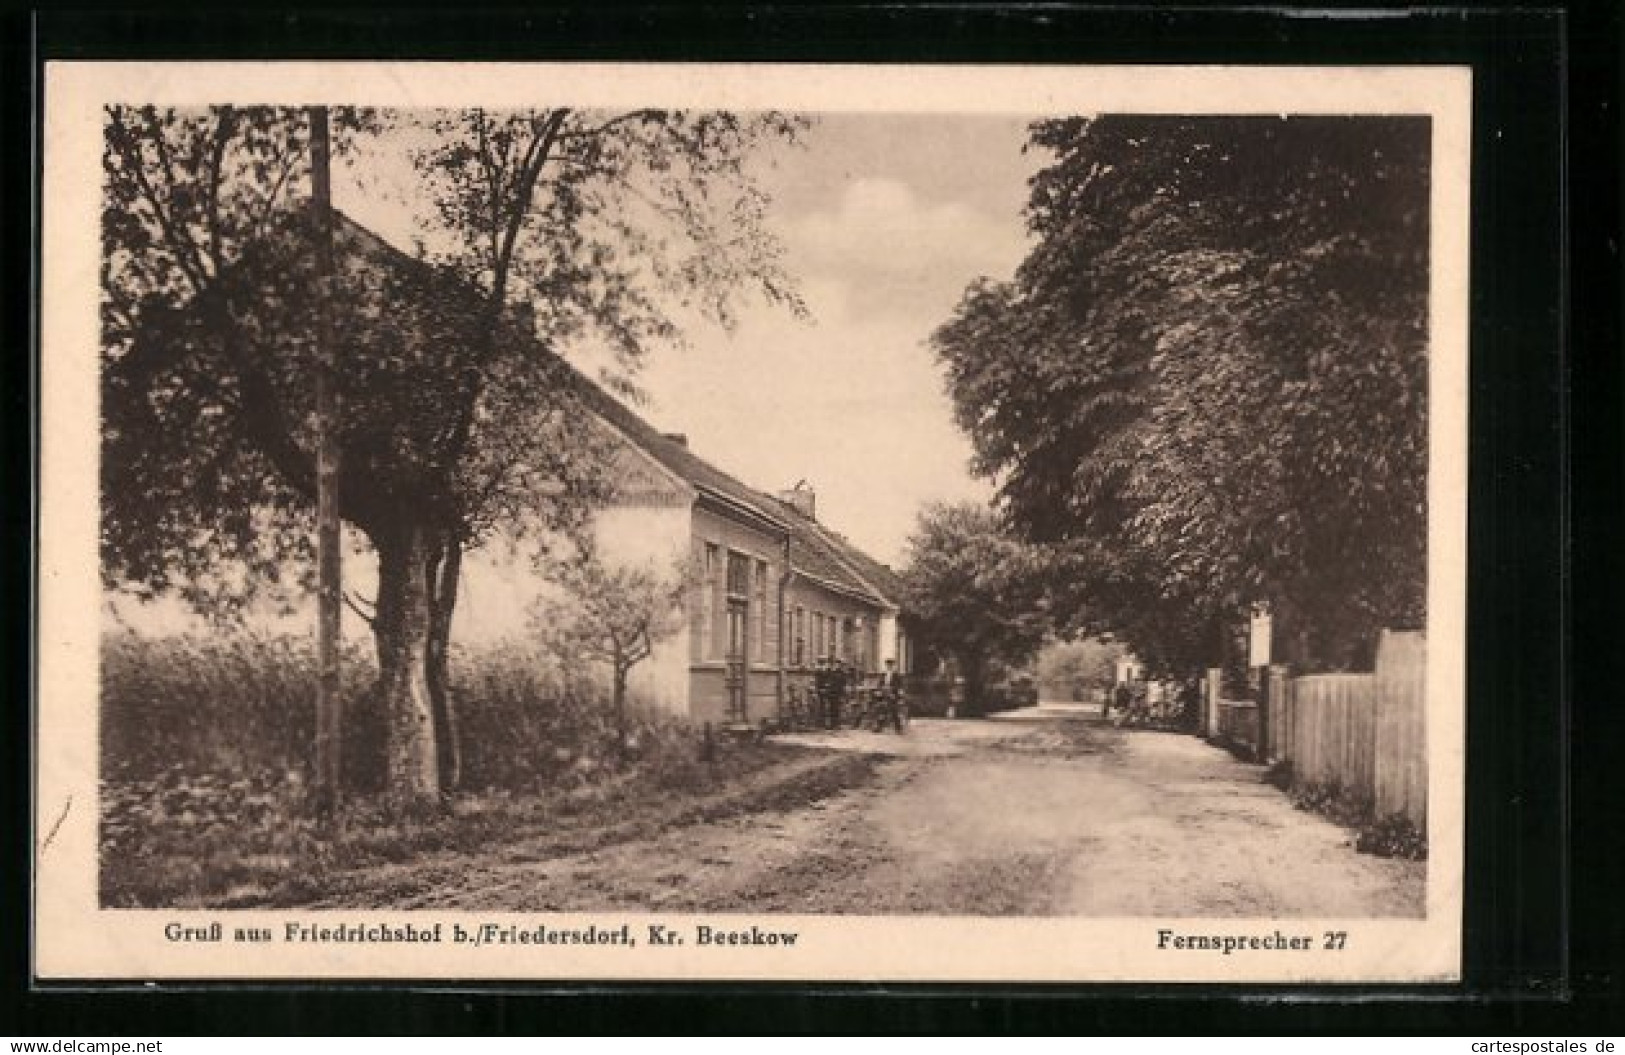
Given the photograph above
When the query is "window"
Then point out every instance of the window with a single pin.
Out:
(759, 599)
(798, 630)
(704, 615)
(708, 637)
(738, 575)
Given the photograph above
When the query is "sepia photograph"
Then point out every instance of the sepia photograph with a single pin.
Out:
(691, 522)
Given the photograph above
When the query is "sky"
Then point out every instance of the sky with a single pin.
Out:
(885, 220)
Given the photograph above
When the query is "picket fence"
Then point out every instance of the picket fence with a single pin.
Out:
(1363, 733)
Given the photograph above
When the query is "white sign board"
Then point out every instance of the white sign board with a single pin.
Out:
(1258, 639)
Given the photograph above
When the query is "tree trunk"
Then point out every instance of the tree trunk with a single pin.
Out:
(444, 571)
(412, 773)
(619, 700)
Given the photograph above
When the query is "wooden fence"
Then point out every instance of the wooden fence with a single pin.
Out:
(1364, 733)
(1325, 725)
(1400, 772)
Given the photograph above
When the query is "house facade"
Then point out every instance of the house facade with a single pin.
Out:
(771, 592)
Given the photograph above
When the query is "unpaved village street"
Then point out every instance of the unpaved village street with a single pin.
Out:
(1046, 811)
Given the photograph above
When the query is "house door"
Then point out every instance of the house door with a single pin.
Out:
(738, 649)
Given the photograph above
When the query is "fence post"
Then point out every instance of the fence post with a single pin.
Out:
(1214, 686)
(1276, 745)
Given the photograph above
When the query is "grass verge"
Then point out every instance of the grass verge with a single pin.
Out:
(205, 792)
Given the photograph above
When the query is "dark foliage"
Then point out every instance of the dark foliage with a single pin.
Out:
(1393, 836)
(1205, 385)
(977, 596)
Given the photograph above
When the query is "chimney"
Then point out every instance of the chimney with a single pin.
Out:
(802, 498)
(679, 438)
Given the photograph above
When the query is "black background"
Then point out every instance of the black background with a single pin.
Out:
(1544, 927)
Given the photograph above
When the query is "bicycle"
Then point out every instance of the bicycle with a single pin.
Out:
(880, 709)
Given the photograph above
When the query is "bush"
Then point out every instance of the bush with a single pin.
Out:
(206, 750)
(238, 704)
(243, 706)
(526, 727)
(1393, 836)
(1280, 775)
(1337, 803)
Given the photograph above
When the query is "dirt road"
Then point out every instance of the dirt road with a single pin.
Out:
(1042, 812)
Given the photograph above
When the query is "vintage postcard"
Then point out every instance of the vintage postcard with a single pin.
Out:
(726, 522)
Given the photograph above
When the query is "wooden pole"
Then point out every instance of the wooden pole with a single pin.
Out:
(329, 706)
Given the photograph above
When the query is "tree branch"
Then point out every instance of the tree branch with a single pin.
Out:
(536, 158)
(264, 420)
(289, 159)
(160, 144)
(619, 119)
(223, 133)
(124, 142)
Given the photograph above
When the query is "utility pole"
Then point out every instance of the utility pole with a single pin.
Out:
(329, 707)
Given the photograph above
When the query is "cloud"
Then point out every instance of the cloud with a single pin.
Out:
(855, 405)
(894, 252)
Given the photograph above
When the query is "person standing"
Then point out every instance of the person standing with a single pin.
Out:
(824, 686)
(891, 690)
(837, 691)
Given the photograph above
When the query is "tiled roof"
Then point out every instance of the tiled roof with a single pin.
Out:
(827, 554)
(811, 556)
(880, 576)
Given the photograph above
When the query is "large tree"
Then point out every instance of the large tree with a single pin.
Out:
(1205, 386)
(549, 227)
(976, 592)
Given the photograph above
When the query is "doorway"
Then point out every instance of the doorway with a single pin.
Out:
(738, 675)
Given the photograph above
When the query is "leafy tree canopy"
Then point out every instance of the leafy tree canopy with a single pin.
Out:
(1206, 383)
(599, 225)
(976, 592)
(550, 226)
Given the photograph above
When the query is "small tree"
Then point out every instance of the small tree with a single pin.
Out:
(608, 613)
(978, 592)
(1068, 668)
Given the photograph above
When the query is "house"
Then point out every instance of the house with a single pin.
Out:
(773, 590)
